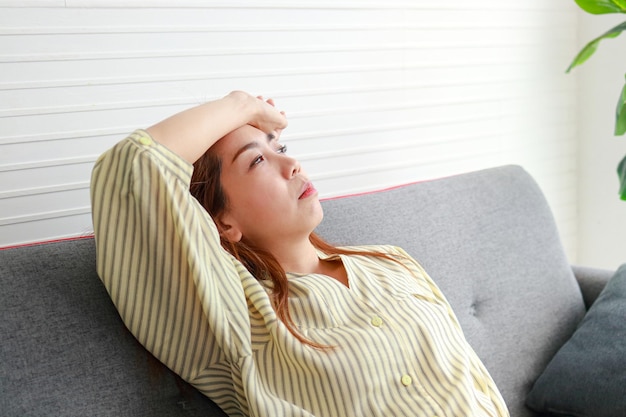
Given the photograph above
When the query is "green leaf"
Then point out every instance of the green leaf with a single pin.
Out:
(602, 6)
(621, 173)
(591, 47)
(620, 113)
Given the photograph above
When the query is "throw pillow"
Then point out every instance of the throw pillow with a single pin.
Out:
(587, 377)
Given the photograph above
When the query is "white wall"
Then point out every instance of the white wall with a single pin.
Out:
(378, 92)
(602, 213)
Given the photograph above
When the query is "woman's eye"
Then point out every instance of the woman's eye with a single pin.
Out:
(257, 160)
(282, 149)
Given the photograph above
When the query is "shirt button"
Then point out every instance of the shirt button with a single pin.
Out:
(145, 140)
(406, 380)
(376, 321)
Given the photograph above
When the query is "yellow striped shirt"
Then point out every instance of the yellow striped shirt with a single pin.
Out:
(399, 350)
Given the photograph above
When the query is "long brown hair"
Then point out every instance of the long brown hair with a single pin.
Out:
(206, 187)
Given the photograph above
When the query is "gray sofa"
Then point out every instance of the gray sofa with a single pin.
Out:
(487, 238)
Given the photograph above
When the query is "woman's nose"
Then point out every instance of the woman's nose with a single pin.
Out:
(291, 167)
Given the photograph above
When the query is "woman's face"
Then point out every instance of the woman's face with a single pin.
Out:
(269, 196)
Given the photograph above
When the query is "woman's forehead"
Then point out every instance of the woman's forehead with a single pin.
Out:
(230, 144)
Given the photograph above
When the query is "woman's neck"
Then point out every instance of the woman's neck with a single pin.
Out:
(298, 257)
(302, 258)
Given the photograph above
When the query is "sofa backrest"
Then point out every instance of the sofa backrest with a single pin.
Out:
(64, 350)
(489, 241)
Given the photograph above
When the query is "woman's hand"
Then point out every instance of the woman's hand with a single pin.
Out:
(191, 132)
(268, 119)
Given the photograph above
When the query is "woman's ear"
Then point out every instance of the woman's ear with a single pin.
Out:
(228, 229)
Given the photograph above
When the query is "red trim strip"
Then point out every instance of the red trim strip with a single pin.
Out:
(380, 190)
(44, 242)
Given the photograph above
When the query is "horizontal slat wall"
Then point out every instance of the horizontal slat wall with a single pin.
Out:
(378, 93)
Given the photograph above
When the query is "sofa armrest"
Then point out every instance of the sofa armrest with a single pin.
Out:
(591, 281)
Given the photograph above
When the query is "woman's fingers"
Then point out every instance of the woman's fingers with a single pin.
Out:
(268, 118)
(269, 101)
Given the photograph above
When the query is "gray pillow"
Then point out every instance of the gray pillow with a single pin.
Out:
(587, 377)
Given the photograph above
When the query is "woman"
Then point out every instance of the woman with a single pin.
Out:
(272, 321)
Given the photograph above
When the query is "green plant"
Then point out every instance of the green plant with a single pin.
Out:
(603, 7)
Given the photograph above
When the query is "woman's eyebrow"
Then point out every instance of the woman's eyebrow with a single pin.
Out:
(270, 137)
(244, 148)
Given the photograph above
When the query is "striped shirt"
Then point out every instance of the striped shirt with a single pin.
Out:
(398, 348)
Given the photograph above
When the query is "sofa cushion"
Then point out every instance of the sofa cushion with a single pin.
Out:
(65, 350)
(587, 377)
(489, 240)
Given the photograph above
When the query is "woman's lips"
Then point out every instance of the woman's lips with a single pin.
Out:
(309, 190)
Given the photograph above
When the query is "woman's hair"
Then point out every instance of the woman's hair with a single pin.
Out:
(206, 187)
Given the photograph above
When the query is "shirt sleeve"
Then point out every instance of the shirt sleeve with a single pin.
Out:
(159, 257)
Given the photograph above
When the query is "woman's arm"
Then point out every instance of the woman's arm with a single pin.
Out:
(158, 251)
(191, 132)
